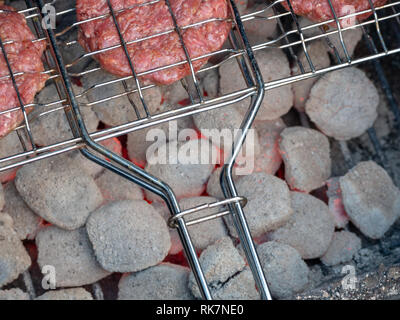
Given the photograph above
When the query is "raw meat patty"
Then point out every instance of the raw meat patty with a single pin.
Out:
(24, 56)
(142, 21)
(320, 10)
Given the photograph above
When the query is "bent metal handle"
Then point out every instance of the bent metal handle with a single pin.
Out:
(133, 172)
(227, 183)
(137, 175)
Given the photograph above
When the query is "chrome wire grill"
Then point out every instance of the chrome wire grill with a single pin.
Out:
(292, 37)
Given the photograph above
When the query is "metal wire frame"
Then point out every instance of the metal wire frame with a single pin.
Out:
(283, 41)
(143, 179)
(240, 51)
(135, 174)
(367, 27)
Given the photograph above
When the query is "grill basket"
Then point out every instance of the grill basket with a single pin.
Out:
(292, 37)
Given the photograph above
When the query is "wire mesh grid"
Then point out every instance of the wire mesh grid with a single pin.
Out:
(292, 36)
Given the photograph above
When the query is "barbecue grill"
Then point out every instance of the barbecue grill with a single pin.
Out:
(292, 38)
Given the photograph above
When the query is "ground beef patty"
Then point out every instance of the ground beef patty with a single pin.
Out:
(24, 57)
(137, 22)
(319, 10)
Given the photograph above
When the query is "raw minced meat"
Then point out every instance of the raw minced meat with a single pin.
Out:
(320, 11)
(138, 20)
(24, 56)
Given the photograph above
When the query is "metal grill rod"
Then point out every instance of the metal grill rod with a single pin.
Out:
(21, 103)
(227, 184)
(303, 43)
(394, 106)
(188, 59)
(130, 62)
